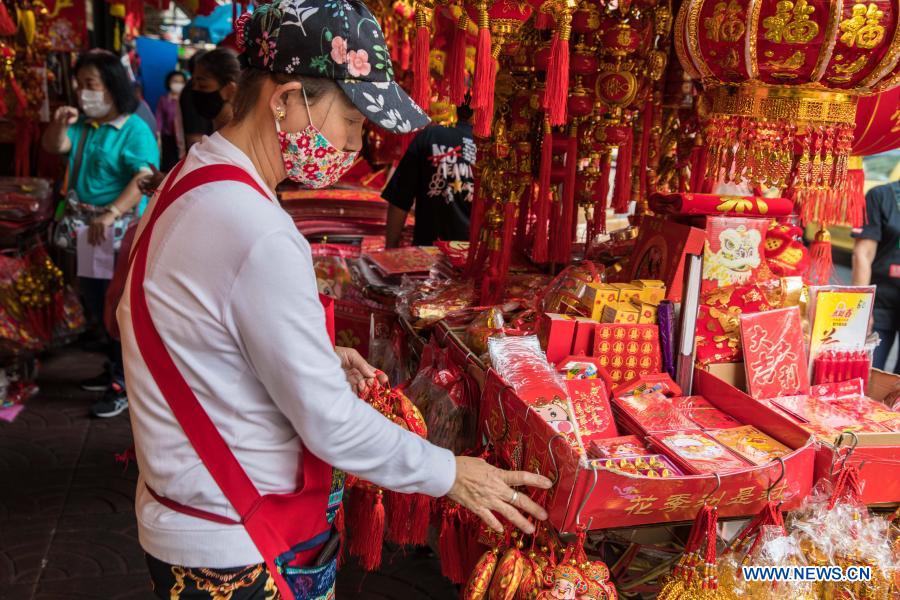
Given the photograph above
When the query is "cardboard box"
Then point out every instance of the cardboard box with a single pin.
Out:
(556, 333)
(596, 296)
(628, 292)
(620, 312)
(646, 313)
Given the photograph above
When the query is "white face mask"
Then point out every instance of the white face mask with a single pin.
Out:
(177, 87)
(93, 105)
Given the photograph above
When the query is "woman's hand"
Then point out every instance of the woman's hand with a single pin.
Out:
(150, 182)
(98, 228)
(486, 490)
(360, 374)
(65, 116)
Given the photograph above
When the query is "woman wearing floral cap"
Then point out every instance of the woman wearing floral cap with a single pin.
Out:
(244, 413)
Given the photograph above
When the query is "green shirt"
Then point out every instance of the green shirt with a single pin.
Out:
(113, 154)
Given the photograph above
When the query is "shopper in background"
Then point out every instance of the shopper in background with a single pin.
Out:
(110, 149)
(437, 175)
(143, 109)
(167, 116)
(213, 87)
(215, 84)
(876, 261)
(192, 127)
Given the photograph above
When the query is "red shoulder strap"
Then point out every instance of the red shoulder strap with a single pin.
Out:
(202, 433)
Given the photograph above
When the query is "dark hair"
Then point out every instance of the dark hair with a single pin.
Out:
(464, 113)
(222, 64)
(171, 76)
(192, 61)
(115, 78)
(252, 80)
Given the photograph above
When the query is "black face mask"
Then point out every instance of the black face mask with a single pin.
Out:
(208, 104)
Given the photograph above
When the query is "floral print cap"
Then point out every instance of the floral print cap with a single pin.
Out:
(334, 39)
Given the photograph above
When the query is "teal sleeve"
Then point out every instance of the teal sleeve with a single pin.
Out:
(141, 149)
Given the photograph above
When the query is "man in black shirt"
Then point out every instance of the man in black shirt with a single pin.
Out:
(437, 174)
(876, 260)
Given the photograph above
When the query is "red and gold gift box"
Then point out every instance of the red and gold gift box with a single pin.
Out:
(660, 251)
(592, 413)
(751, 443)
(621, 312)
(627, 351)
(617, 447)
(697, 452)
(718, 322)
(734, 253)
(556, 333)
(583, 345)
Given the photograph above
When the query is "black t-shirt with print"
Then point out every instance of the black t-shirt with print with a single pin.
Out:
(436, 174)
(883, 226)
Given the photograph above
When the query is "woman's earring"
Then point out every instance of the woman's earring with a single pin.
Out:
(280, 114)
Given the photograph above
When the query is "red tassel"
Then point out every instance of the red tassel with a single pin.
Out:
(405, 53)
(367, 526)
(524, 217)
(505, 253)
(400, 507)
(484, 61)
(543, 21)
(21, 100)
(450, 546)
(484, 115)
(7, 25)
(558, 73)
(409, 520)
(622, 192)
(854, 192)
(421, 72)
(542, 210)
(820, 264)
(456, 61)
(340, 524)
(566, 230)
(646, 128)
(3, 108)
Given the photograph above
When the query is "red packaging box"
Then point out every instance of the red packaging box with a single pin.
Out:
(660, 252)
(696, 452)
(650, 413)
(734, 253)
(750, 443)
(583, 344)
(600, 499)
(627, 351)
(774, 353)
(556, 333)
(593, 415)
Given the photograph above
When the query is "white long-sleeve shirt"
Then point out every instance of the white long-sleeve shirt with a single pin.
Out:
(231, 289)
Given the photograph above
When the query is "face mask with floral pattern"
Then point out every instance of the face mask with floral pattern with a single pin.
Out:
(309, 158)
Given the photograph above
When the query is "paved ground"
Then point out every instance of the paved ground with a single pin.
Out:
(67, 528)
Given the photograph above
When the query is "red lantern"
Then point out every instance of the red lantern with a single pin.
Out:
(781, 81)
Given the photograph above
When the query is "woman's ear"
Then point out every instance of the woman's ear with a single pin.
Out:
(278, 99)
(228, 92)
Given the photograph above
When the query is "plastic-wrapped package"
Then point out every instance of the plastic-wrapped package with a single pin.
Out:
(440, 390)
(332, 275)
(487, 323)
(523, 365)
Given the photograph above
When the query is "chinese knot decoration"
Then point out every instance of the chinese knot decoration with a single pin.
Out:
(781, 79)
